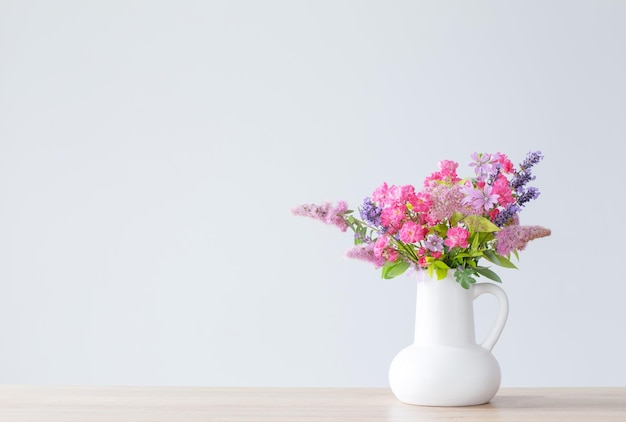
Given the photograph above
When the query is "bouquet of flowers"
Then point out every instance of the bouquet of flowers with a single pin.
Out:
(451, 223)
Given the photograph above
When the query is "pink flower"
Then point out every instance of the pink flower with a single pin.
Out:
(445, 201)
(506, 166)
(406, 193)
(380, 194)
(392, 217)
(383, 250)
(503, 190)
(392, 196)
(446, 174)
(514, 238)
(392, 254)
(380, 245)
(457, 236)
(421, 202)
(432, 179)
(411, 232)
(365, 252)
(325, 213)
(448, 167)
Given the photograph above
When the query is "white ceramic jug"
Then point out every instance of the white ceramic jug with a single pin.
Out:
(445, 366)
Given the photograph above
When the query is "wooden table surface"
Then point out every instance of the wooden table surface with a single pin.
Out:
(190, 404)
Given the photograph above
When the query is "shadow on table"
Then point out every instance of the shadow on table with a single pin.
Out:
(522, 406)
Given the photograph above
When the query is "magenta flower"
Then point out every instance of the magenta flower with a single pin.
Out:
(446, 174)
(505, 165)
(383, 250)
(448, 168)
(503, 190)
(457, 236)
(411, 232)
(392, 217)
(380, 194)
(421, 202)
(380, 245)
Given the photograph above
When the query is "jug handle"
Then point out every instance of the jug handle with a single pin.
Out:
(503, 311)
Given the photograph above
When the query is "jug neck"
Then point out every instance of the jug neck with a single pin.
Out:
(444, 312)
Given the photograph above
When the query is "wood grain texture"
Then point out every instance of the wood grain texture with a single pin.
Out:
(191, 404)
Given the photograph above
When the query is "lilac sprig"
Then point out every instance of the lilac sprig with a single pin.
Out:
(531, 159)
(518, 184)
(524, 174)
(521, 179)
(527, 195)
(510, 213)
(370, 213)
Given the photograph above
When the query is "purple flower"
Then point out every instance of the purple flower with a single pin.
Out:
(362, 238)
(370, 213)
(532, 158)
(523, 176)
(505, 216)
(483, 166)
(479, 198)
(520, 179)
(433, 243)
(527, 195)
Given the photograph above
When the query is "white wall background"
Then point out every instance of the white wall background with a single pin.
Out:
(150, 152)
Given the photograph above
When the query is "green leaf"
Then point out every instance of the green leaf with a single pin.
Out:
(475, 242)
(394, 269)
(441, 229)
(488, 273)
(441, 273)
(476, 223)
(440, 264)
(464, 277)
(505, 262)
(497, 259)
(491, 256)
(455, 218)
